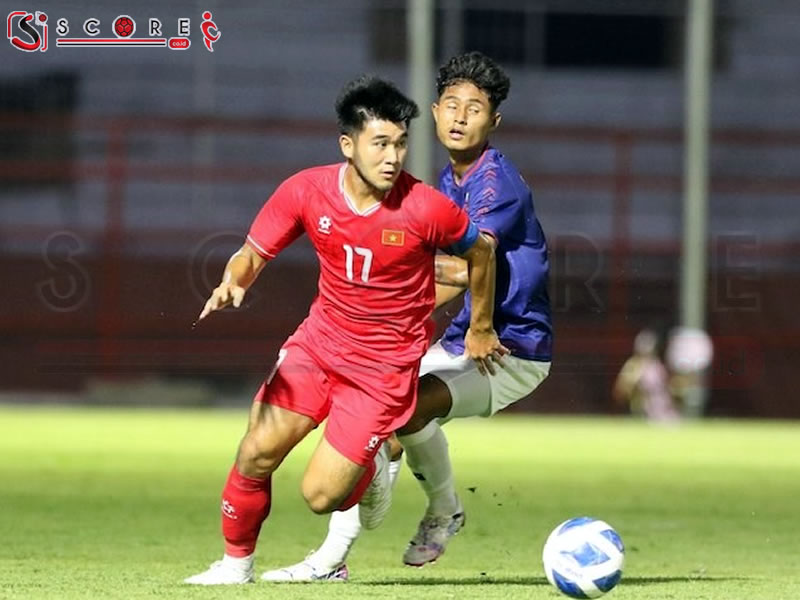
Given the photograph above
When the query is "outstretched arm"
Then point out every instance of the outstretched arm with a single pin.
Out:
(240, 273)
(481, 342)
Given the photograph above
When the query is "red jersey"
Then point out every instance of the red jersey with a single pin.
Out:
(376, 283)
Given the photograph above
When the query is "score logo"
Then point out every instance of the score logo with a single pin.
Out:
(177, 43)
(31, 40)
(22, 33)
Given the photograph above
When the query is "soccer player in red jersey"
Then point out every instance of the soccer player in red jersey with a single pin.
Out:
(479, 178)
(355, 359)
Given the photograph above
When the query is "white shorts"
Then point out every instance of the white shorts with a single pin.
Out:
(476, 395)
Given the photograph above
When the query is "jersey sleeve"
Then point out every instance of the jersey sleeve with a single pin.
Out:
(447, 225)
(279, 222)
(496, 210)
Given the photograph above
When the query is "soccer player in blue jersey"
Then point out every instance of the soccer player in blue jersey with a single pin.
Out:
(487, 185)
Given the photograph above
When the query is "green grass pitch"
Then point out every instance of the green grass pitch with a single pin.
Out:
(124, 504)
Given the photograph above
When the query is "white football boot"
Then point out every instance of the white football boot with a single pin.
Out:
(228, 571)
(307, 571)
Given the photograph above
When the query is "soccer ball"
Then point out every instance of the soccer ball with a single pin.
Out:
(583, 557)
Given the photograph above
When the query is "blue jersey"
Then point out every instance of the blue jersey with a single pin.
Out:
(499, 202)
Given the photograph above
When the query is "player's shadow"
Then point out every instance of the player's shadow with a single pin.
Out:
(487, 580)
(633, 581)
(482, 580)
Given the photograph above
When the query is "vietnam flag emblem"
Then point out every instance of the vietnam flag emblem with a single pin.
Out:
(391, 237)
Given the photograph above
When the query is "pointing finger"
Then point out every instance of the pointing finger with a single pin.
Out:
(205, 311)
(238, 296)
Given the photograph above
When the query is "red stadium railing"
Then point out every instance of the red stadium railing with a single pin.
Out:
(585, 333)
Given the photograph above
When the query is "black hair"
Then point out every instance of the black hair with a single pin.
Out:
(368, 98)
(476, 68)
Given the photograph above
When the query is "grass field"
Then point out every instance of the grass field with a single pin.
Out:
(124, 504)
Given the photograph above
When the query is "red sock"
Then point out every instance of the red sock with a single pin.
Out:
(245, 504)
(360, 487)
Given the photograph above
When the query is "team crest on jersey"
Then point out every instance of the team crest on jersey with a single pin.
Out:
(324, 225)
(392, 237)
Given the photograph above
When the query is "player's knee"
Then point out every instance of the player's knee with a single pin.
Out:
(256, 457)
(321, 504)
(318, 500)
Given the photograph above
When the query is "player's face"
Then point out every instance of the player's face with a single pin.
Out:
(464, 117)
(377, 152)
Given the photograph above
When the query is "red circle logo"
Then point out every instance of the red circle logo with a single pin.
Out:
(124, 26)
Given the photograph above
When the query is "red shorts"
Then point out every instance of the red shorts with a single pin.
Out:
(363, 401)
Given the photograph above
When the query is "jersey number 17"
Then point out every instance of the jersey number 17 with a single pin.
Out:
(350, 253)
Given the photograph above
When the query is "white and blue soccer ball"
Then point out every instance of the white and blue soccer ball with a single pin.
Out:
(583, 557)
